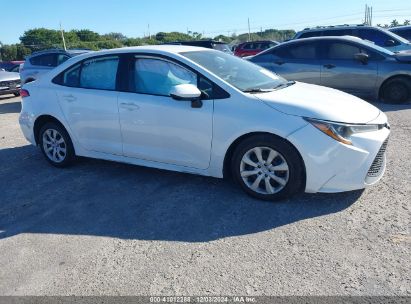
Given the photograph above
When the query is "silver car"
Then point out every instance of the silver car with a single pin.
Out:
(44, 61)
(348, 64)
(9, 83)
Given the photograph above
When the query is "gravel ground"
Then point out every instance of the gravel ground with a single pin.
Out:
(103, 228)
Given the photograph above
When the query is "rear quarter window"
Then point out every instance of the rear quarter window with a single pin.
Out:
(48, 60)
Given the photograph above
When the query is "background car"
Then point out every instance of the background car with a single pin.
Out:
(403, 31)
(379, 36)
(9, 83)
(253, 48)
(345, 63)
(205, 112)
(209, 44)
(11, 66)
(43, 61)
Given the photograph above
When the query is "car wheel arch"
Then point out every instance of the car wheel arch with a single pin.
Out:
(41, 121)
(238, 140)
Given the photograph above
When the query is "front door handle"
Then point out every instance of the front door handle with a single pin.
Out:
(279, 62)
(70, 98)
(329, 66)
(129, 105)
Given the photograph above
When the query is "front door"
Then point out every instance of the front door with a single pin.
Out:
(158, 128)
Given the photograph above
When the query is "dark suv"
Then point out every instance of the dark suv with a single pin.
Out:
(209, 44)
(379, 36)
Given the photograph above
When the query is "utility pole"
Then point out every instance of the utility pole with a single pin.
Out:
(149, 34)
(62, 37)
(249, 30)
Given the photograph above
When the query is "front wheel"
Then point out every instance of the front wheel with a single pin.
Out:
(56, 145)
(396, 90)
(268, 168)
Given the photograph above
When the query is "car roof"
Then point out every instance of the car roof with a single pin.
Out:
(345, 38)
(334, 27)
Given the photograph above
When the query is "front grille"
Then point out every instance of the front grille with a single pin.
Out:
(10, 83)
(376, 166)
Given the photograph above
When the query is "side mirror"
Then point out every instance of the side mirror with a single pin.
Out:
(187, 92)
(361, 57)
(389, 42)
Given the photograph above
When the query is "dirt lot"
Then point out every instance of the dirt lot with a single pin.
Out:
(102, 228)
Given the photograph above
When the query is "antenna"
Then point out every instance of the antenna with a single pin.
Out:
(249, 31)
(62, 37)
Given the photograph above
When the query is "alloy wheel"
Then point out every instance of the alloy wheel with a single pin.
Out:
(54, 145)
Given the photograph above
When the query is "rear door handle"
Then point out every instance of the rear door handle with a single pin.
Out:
(329, 66)
(279, 62)
(69, 98)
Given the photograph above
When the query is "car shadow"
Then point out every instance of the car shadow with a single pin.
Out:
(101, 198)
(387, 107)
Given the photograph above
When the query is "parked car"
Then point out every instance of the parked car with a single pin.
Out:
(344, 63)
(209, 44)
(205, 112)
(403, 31)
(253, 48)
(379, 36)
(10, 66)
(40, 62)
(9, 83)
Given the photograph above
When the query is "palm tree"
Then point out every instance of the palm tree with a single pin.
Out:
(407, 22)
(394, 23)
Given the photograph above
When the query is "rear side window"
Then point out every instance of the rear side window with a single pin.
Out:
(297, 51)
(47, 60)
(343, 32)
(97, 73)
(311, 34)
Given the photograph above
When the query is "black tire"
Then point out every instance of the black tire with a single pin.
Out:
(16, 94)
(64, 159)
(296, 169)
(396, 90)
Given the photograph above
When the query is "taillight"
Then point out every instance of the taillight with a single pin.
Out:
(24, 93)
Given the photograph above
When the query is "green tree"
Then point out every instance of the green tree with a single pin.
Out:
(407, 22)
(394, 23)
(41, 38)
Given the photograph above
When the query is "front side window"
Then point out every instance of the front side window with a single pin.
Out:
(99, 73)
(238, 72)
(342, 51)
(157, 77)
(378, 37)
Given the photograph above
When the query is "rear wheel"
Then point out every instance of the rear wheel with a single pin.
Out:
(56, 145)
(16, 94)
(268, 168)
(396, 90)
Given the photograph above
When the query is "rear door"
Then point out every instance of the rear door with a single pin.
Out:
(297, 61)
(88, 98)
(342, 71)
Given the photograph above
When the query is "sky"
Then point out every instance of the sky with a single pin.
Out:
(136, 18)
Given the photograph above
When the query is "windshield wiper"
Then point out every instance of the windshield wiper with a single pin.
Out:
(284, 85)
(257, 90)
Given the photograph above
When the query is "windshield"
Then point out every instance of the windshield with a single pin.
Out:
(242, 74)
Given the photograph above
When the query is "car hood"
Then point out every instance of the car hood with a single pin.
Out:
(307, 100)
(403, 56)
(7, 76)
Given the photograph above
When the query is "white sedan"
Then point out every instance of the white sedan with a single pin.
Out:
(205, 112)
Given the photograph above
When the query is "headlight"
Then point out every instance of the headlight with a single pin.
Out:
(340, 131)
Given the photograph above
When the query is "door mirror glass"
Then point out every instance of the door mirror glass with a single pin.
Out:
(185, 92)
(389, 42)
(361, 57)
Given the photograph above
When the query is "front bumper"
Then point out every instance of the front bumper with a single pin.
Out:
(335, 167)
(9, 87)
